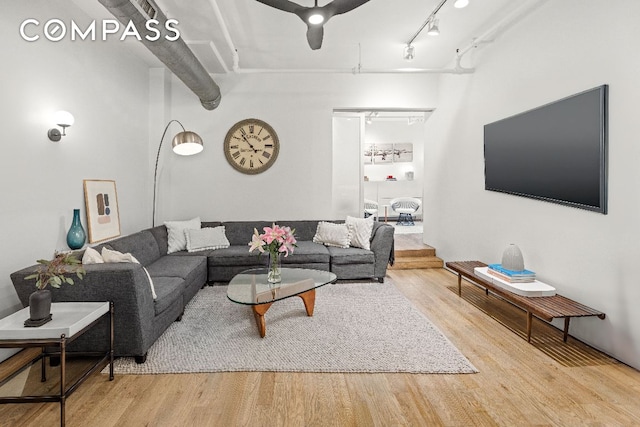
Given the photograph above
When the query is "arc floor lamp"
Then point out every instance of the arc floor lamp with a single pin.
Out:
(185, 143)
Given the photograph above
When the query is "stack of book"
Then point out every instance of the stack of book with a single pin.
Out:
(511, 276)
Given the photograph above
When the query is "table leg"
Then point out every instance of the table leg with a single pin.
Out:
(43, 366)
(566, 328)
(529, 322)
(459, 284)
(309, 299)
(111, 341)
(63, 386)
(258, 314)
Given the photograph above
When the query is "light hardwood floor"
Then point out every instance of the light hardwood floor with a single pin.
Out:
(545, 383)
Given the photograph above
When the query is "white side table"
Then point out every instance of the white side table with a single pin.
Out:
(69, 321)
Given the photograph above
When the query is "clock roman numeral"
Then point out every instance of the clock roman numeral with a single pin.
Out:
(243, 161)
(251, 164)
(266, 154)
(244, 132)
(234, 146)
(268, 145)
(235, 155)
(251, 128)
(266, 137)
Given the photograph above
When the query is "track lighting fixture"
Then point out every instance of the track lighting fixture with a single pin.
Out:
(409, 52)
(433, 29)
(431, 23)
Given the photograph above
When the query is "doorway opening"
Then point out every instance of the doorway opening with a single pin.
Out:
(378, 158)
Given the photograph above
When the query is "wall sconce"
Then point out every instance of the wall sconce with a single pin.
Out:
(64, 119)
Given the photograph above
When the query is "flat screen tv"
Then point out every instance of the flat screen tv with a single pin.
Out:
(557, 152)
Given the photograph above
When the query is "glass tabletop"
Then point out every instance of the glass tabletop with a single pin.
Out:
(251, 287)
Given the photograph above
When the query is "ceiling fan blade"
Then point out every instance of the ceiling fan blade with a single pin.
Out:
(314, 36)
(343, 6)
(286, 5)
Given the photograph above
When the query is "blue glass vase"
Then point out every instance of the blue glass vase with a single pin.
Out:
(76, 235)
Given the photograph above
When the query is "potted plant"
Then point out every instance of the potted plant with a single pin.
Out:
(51, 273)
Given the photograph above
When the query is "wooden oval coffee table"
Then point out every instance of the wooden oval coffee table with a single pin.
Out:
(251, 288)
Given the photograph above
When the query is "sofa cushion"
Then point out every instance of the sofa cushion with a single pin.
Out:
(162, 238)
(211, 224)
(176, 266)
(168, 289)
(304, 230)
(236, 255)
(239, 232)
(343, 256)
(307, 252)
(142, 245)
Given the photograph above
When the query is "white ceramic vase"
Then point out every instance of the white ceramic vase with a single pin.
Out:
(512, 258)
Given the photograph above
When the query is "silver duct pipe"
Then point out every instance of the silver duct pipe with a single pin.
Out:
(176, 55)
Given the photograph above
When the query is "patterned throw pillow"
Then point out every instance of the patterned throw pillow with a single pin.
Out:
(206, 238)
(176, 233)
(331, 234)
(361, 229)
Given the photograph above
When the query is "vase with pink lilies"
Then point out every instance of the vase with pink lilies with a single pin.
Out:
(278, 242)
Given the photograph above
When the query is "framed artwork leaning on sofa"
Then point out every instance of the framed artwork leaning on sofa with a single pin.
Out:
(101, 202)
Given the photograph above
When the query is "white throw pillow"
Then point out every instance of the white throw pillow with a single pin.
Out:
(176, 233)
(331, 234)
(91, 256)
(206, 238)
(361, 229)
(111, 256)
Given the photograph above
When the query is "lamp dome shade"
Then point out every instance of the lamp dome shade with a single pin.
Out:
(187, 143)
(461, 3)
(63, 118)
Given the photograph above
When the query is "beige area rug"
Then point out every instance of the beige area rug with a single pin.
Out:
(356, 327)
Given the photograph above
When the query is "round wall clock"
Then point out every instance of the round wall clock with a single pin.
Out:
(251, 146)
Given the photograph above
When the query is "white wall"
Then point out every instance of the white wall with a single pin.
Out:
(563, 48)
(300, 108)
(106, 90)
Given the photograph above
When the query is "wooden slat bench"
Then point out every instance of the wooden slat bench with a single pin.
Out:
(545, 308)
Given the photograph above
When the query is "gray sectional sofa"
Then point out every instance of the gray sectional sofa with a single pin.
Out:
(177, 277)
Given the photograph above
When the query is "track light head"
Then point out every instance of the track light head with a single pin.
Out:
(409, 52)
(433, 29)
